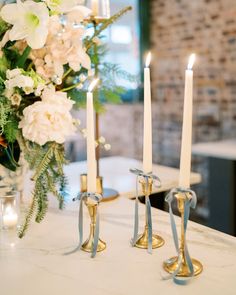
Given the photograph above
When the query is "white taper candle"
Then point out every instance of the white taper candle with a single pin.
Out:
(186, 145)
(91, 158)
(147, 125)
(95, 7)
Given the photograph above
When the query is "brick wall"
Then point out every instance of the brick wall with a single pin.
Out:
(208, 28)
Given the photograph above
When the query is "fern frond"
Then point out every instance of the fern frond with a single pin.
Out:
(41, 191)
(44, 163)
(53, 189)
(28, 218)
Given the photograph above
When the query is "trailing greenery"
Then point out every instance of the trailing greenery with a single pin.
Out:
(47, 163)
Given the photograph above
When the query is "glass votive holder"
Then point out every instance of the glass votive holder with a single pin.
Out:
(9, 210)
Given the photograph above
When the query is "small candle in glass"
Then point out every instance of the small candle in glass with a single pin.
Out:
(9, 211)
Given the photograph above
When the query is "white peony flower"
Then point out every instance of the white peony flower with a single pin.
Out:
(29, 20)
(50, 95)
(49, 119)
(62, 6)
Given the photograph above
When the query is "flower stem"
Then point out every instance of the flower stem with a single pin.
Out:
(21, 61)
(66, 73)
(70, 87)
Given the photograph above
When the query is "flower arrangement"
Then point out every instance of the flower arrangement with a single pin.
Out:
(45, 57)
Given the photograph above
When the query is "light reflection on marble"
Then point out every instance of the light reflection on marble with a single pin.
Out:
(36, 264)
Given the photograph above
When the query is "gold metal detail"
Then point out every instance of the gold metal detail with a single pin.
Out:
(92, 209)
(88, 244)
(107, 193)
(142, 241)
(172, 264)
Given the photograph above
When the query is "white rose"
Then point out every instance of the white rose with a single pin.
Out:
(48, 120)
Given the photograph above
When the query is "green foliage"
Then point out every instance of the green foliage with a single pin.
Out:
(41, 193)
(47, 162)
(113, 71)
(5, 111)
(9, 156)
(22, 59)
(29, 215)
(11, 129)
(3, 27)
(4, 65)
(11, 54)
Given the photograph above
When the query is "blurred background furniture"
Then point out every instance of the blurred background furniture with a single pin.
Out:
(221, 156)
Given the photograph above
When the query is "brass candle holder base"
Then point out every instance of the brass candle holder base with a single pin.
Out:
(180, 263)
(172, 264)
(142, 241)
(87, 246)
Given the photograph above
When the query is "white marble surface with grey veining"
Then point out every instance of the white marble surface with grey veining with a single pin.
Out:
(36, 265)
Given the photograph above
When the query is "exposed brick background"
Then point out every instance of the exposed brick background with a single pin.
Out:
(208, 28)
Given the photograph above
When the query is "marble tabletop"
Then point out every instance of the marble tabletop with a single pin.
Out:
(224, 149)
(36, 265)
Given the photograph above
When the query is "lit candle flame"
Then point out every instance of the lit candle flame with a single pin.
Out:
(93, 84)
(191, 61)
(148, 59)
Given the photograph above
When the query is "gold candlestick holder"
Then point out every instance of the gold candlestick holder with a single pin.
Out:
(142, 241)
(107, 193)
(179, 265)
(87, 246)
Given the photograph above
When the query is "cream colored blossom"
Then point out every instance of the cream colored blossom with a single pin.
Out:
(107, 146)
(49, 119)
(20, 81)
(64, 45)
(29, 82)
(29, 20)
(101, 140)
(62, 6)
(13, 73)
(16, 99)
